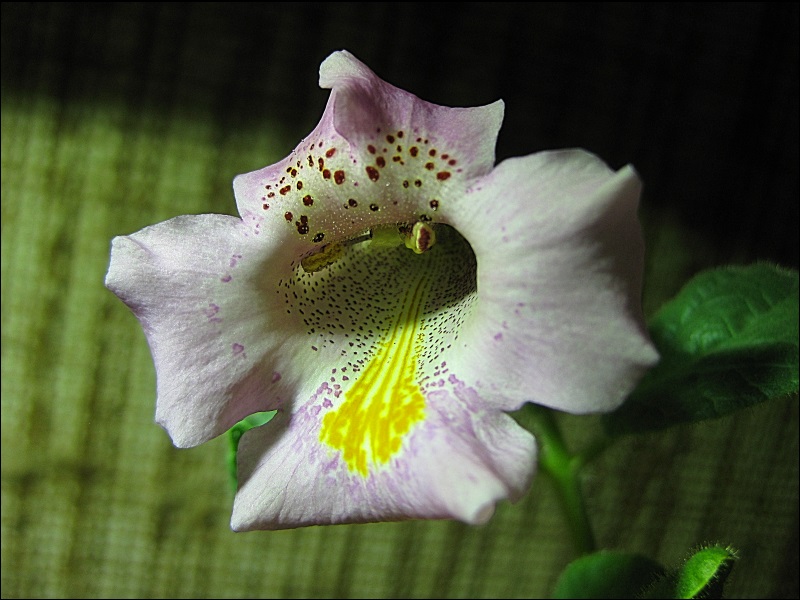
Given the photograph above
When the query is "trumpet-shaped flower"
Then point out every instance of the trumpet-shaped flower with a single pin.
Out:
(392, 294)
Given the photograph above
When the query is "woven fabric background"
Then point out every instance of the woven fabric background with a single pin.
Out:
(119, 115)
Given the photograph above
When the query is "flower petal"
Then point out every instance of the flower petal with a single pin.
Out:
(457, 464)
(361, 102)
(379, 155)
(560, 257)
(215, 342)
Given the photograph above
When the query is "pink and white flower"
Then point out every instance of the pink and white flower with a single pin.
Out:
(392, 294)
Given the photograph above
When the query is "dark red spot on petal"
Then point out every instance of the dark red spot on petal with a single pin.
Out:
(390, 139)
(400, 134)
(417, 183)
(429, 166)
(330, 152)
(302, 228)
(380, 161)
(326, 174)
(452, 162)
(413, 151)
(352, 202)
(271, 195)
(443, 175)
(303, 219)
(319, 237)
(299, 185)
(405, 183)
(308, 200)
(285, 190)
(371, 149)
(432, 152)
(338, 177)
(321, 164)
(288, 216)
(373, 174)
(434, 204)
(374, 207)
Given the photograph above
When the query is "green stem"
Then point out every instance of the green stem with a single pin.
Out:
(564, 468)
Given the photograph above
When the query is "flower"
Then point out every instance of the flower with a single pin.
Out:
(392, 294)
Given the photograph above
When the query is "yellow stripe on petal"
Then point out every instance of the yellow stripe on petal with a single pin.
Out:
(385, 402)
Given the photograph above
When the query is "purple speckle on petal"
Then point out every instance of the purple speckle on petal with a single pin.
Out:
(276, 377)
(331, 466)
(327, 403)
(211, 313)
(237, 349)
(226, 279)
(315, 410)
(498, 336)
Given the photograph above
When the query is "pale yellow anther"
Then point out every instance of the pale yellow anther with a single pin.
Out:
(327, 255)
(422, 237)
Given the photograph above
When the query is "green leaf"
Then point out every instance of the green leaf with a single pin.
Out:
(728, 340)
(235, 434)
(701, 576)
(607, 574)
(704, 574)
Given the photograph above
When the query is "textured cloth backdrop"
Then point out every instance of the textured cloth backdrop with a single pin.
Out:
(119, 115)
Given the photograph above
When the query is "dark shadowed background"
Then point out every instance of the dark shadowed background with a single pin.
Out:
(119, 115)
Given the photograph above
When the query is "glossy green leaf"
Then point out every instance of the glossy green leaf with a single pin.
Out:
(728, 340)
(607, 574)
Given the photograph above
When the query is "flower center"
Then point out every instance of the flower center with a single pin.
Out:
(386, 400)
(385, 306)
